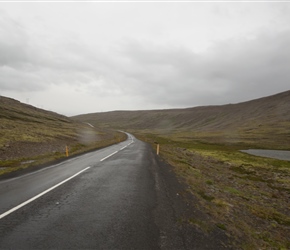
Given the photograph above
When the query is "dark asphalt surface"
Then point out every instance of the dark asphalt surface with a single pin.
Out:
(122, 202)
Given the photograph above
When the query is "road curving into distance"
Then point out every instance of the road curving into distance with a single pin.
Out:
(114, 198)
(14, 192)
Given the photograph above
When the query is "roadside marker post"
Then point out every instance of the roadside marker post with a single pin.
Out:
(66, 151)
(158, 148)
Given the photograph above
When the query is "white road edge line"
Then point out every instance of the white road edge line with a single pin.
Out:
(39, 195)
(89, 124)
(43, 169)
(109, 156)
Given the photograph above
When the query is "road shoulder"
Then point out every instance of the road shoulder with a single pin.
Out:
(177, 210)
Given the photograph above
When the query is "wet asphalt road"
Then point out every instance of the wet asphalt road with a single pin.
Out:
(107, 206)
(120, 197)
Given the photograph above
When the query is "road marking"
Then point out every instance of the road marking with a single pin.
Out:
(39, 195)
(117, 151)
(89, 124)
(109, 156)
(126, 146)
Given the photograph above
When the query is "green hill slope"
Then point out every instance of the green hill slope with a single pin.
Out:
(31, 136)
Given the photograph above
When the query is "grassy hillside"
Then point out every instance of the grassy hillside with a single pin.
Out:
(264, 121)
(31, 136)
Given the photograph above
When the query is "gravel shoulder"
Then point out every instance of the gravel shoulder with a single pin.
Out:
(176, 211)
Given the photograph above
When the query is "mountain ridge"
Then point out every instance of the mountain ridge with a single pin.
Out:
(276, 106)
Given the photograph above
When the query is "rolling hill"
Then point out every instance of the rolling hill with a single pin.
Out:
(264, 118)
(27, 130)
(31, 136)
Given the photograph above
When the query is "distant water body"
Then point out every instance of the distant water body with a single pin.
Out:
(275, 154)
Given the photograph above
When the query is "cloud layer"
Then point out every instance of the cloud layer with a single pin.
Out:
(135, 64)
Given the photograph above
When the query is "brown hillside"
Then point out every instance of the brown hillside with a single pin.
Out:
(29, 134)
(13, 109)
(268, 116)
(22, 123)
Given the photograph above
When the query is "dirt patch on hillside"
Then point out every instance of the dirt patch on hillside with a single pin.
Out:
(17, 157)
(24, 150)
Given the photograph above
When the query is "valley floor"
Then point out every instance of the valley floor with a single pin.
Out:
(246, 196)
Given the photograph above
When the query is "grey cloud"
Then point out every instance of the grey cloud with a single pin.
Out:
(178, 77)
(258, 66)
(156, 72)
(12, 79)
(13, 42)
(31, 64)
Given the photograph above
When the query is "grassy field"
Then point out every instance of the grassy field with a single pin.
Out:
(247, 196)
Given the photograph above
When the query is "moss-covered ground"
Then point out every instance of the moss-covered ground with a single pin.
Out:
(245, 195)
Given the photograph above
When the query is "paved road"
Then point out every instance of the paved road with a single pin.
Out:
(107, 206)
(120, 197)
(14, 192)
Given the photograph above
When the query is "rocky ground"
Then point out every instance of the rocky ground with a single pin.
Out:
(23, 150)
(247, 197)
(181, 230)
(250, 203)
(19, 155)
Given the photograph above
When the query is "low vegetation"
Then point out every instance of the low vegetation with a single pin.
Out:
(246, 196)
(30, 136)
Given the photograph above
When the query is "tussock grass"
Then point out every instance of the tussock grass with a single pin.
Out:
(247, 196)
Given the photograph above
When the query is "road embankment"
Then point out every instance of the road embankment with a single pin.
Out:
(183, 223)
(22, 157)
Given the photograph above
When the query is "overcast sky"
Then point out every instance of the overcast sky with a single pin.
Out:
(75, 58)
